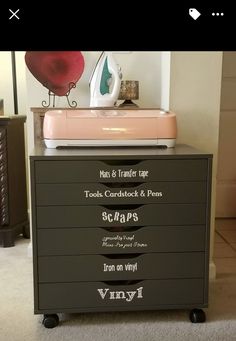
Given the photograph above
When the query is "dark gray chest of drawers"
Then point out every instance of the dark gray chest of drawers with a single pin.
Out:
(120, 229)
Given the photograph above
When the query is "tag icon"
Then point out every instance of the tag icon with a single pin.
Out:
(193, 12)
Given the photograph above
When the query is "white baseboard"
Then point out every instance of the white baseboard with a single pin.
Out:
(29, 250)
(212, 271)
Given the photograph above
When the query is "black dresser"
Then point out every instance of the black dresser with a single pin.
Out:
(118, 229)
(13, 191)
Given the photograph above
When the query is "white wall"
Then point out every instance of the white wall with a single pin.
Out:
(195, 86)
(195, 95)
(226, 172)
(6, 87)
(21, 83)
(165, 80)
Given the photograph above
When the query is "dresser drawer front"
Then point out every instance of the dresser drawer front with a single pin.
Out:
(99, 194)
(100, 268)
(70, 171)
(99, 216)
(98, 294)
(72, 241)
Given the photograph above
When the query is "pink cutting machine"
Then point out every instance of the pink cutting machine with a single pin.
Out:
(109, 127)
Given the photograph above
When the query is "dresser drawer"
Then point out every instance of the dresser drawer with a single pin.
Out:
(101, 194)
(99, 216)
(74, 241)
(70, 171)
(151, 293)
(120, 267)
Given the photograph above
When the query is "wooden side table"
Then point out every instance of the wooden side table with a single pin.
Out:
(38, 117)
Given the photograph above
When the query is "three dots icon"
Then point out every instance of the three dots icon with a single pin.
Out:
(217, 14)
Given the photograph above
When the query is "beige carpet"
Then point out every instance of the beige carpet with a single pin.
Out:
(18, 323)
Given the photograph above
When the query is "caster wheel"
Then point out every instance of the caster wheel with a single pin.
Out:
(197, 316)
(50, 321)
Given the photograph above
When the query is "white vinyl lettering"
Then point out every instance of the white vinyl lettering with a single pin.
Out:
(151, 193)
(129, 267)
(123, 193)
(120, 295)
(120, 217)
(127, 173)
(140, 292)
(121, 173)
(104, 174)
(123, 241)
(103, 292)
(143, 174)
(108, 267)
(131, 295)
(128, 296)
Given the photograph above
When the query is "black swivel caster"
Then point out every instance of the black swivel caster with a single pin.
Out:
(50, 320)
(197, 316)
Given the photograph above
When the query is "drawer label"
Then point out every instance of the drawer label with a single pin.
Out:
(123, 174)
(122, 242)
(123, 193)
(119, 217)
(126, 295)
(120, 267)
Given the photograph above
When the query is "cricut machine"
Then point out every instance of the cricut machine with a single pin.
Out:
(109, 127)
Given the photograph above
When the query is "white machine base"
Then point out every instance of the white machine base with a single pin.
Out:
(169, 143)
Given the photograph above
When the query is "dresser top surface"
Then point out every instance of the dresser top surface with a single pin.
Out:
(7, 119)
(179, 151)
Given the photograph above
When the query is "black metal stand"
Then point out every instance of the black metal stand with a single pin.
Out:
(52, 96)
